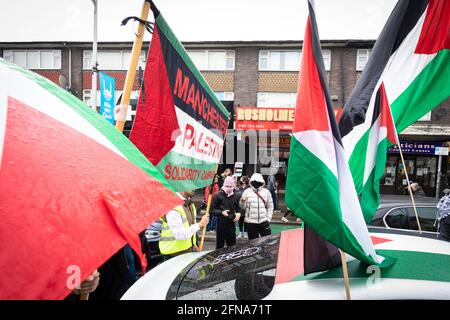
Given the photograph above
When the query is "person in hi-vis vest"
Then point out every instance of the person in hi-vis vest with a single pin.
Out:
(179, 231)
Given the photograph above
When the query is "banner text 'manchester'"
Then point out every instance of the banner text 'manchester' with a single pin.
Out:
(187, 91)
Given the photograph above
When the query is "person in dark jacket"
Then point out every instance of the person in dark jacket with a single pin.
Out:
(225, 206)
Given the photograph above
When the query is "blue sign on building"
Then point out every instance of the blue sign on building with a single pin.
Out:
(416, 147)
(107, 90)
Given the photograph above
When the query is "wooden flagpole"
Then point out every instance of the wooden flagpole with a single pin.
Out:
(84, 296)
(131, 73)
(345, 274)
(409, 186)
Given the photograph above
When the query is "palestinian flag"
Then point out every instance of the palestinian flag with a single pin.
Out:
(407, 75)
(180, 124)
(319, 187)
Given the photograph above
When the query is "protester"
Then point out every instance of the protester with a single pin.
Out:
(179, 231)
(443, 216)
(243, 185)
(227, 172)
(226, 207)
(150, 244)
(212, 189)
(258, 205)
(114, 277)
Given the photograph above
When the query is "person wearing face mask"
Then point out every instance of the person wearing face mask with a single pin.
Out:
(225, 206)
(258, 205)
(179, 229)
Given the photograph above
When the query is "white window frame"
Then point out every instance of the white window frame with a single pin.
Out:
(264, 98)
(117, 93)
(56, 55)
(326, 53)
(229, 60)
(87, 59)
(265, 55)
(227, 96)
(362, 56)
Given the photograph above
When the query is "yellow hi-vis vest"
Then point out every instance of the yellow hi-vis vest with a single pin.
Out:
(168, 244)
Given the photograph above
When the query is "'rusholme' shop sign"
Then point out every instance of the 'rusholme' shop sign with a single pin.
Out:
(264, 118)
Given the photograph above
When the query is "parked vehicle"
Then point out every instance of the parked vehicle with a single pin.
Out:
(272, 268)
(397, 212)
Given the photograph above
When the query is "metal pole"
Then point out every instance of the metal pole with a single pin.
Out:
(438, 182)
(94, 60)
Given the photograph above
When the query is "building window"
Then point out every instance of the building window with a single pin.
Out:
(111, 60)
(362, 56)
(34, 59)
(225, 96)
(221, 60)
(276, 99)
(271, 60)
(326, 53)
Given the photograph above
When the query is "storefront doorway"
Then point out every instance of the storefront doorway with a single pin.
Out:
(421, 169)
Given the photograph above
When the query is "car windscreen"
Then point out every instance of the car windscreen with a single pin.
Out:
(239, 272)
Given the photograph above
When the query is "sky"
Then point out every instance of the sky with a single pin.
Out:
(193, 20)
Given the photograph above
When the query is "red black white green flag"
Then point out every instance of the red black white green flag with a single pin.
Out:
(180, 124)
(73, 189)
(319, 187)
(406, 76)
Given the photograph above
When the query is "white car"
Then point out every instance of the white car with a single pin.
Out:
(272, 268)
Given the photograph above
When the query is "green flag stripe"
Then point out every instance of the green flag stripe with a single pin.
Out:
(316, 199)
(357, 161)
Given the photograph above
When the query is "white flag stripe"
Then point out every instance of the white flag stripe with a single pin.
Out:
(20, 87)
(320, 144)
(3, 115)
(351, 211)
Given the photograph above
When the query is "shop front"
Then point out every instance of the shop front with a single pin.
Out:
(272, 128)
(424, 162)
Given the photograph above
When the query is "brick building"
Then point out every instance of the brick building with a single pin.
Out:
(258, 74)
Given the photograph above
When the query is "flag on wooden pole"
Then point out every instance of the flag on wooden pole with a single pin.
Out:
(180, 124)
